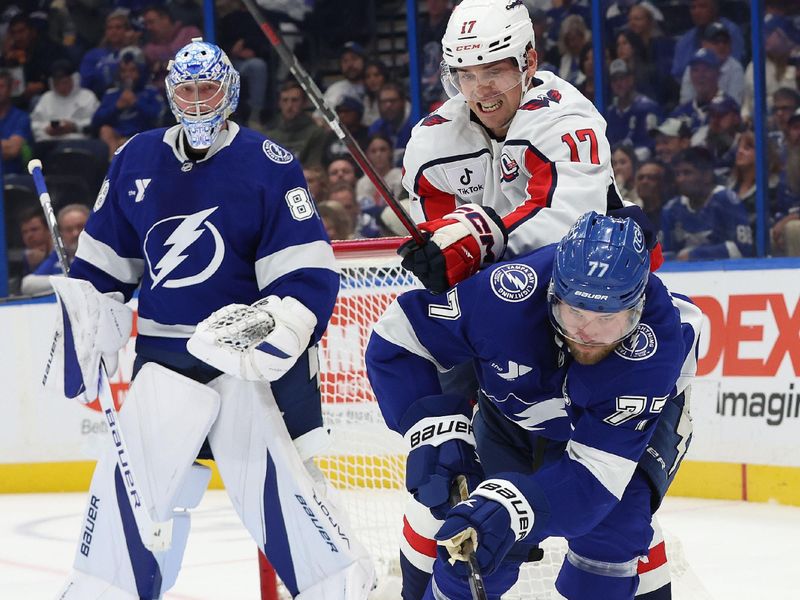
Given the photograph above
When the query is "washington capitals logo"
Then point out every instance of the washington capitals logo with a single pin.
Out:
(508, 167)
(542, 101)
(173, 240)
(434, 119)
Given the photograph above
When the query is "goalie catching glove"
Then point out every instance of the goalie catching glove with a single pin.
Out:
(257, 342)
(457, 245)
(92, 327)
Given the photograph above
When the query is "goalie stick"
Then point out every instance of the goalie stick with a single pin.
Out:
(459, 493)
(156, 536)
(317, 99)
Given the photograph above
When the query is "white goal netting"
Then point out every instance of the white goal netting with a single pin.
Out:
(365, 463)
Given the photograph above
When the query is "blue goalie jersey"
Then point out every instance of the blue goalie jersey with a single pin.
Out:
(234, 227)
(605, 413)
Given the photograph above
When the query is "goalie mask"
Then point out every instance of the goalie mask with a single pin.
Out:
(203, 91)
(481, 32)
(596, 296)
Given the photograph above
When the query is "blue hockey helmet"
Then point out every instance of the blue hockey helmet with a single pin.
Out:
(203, 90)
(601, 268)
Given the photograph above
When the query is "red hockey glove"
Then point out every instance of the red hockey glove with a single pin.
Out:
(457, 246)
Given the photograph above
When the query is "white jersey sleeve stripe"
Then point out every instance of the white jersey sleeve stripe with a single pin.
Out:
(612, 471)
(395, 327)
(314, 255)
(156, 329)
(103, 256)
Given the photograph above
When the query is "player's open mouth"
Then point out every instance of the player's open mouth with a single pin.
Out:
(488, 107)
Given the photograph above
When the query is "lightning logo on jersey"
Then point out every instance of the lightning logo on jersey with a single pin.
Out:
(182, 242)
(530, 415)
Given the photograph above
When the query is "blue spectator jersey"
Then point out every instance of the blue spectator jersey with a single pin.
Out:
(98, 70)
(399, 135)
(689, 43)
(695, 114)
(718, 229)
(498, 320)
(16, 122)
(632, 125)
(144, 114)
(50, 265)
(234, 227)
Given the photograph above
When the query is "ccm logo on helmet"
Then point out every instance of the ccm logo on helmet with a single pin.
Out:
(467, 47)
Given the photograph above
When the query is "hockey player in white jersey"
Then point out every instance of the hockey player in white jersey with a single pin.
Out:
(505, 166)
(523, 147)
(215, 226)
(584, 361)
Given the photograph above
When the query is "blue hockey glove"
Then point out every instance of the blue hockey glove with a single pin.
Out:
(442, 446)
(495, 516)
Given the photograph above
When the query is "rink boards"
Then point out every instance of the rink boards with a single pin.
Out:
(745, 401)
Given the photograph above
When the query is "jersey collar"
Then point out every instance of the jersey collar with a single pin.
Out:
(174, 139)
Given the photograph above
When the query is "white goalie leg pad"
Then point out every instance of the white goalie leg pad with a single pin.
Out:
(653, 569)
(302, 534)
(165, 420)
(82, 586)
(354, 582)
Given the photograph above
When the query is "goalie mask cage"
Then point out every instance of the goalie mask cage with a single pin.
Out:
(365, 463)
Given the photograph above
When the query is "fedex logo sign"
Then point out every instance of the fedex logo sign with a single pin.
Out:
(752, 336)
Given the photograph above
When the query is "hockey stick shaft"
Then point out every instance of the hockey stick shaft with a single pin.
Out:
(156, 536)
(35, 169)
(317, 99)
(459, 493)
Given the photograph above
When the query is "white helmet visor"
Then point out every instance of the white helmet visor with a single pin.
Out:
(591, 328)
(480, 83)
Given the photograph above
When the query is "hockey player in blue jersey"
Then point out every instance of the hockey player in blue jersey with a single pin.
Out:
(706, 221)
(215, 226)
(579, 434)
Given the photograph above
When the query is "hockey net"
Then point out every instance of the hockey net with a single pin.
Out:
(365, 463)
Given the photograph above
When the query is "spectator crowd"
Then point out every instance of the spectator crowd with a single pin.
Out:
(77, 80)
